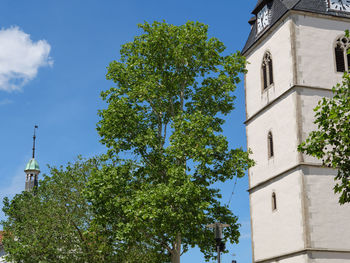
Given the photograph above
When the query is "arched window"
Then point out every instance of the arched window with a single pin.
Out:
(270, 145)
(274, 201)
(267, 70)
(342, 59)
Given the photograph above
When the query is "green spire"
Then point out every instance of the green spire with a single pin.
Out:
(32, 165)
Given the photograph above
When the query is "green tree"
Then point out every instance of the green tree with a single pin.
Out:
(164, 120)
(54, 225)
(331, 141)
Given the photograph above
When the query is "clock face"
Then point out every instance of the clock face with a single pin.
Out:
(339, 5)
(263, 18)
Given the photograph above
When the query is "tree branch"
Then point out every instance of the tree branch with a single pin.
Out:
(172, 111)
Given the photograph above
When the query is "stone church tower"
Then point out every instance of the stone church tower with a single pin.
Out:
(32, 169)
(296, 52)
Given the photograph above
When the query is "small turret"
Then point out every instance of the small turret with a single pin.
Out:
(32, 169)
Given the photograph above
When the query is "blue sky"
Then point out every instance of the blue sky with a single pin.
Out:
(53, 59)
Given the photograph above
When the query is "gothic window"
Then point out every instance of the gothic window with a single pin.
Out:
(274, 201)
(342, 59)
(267, 70)
(270, 145)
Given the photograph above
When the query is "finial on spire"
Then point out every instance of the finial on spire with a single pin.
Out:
(34, 137)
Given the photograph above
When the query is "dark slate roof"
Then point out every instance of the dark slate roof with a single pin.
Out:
(258, 6)
(281, 7)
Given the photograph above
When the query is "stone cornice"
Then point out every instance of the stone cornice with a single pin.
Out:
(280, 174)
(277, 99)
(300, 252)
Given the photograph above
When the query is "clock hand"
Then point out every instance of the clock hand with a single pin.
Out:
(342, 4)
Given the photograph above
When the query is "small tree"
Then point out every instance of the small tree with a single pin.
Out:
(54, 225)
(331, 142)
(164, 118)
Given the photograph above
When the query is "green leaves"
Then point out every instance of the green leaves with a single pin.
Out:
(331, 142)
(164, 122)
(55, 224)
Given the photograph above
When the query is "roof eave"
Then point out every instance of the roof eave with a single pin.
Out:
(263, 34)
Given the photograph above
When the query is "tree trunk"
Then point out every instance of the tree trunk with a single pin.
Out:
(176, 252)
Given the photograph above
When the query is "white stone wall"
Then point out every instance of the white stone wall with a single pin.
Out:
(309, 99)
(281, 121)
(280, 231)
(279, 45)
(328, 220)
(296, 259)
(315, 39)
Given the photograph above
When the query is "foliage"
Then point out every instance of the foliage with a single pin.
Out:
(331, 142)
(164, 121)
(54, 225)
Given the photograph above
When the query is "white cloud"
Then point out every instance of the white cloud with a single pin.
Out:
(5, 102)
(20, 58)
